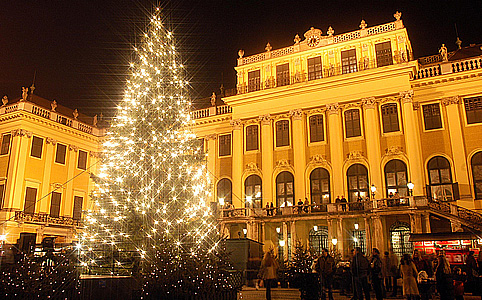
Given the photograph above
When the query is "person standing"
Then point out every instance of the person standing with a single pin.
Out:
(376, 273)
(420, 263)
(385, 270)
(393, 271)
(472, 271)
(444, 279)
(326, 268)
(359, 269)
(268, 270)
(409, 276)
(343, 203)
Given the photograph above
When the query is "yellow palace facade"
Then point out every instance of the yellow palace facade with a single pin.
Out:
(347, 117)
(46, 156)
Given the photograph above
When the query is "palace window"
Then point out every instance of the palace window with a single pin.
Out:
(314, 68)
(2, 194)
(77, 213)
(30, 199)
(224, 191)
(254, 81)
(252, 191)
(348, 61)
(352, 123)
(283, 74)
(252, 137)
(82, 160)
(390, 117)
(400, 239)
(476, 163)
(320, 186)
(316, 128)
(473, 110)
(37, 144)
(432, 117)
(384, 54)
(60, 153)
(358, 239)
(224, 145)
(285, 189)
(318, 239)
(357, 177)
(55, 204)
(282, 133)
(396, 177)
(440, 179)
(5, 148)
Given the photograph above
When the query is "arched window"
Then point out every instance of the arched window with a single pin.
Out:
(318, 239)
(320, 186)
(252, 191)
(357, 178)
(476, 163)
(284, 189)
(224, 189)
(399, 238)
(440, 178)
(396, 177)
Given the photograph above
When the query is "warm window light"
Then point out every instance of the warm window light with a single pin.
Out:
(221, 201)
(3, 237)
(282, 243)
(315, 228)
(356, 226)
(355, 240)
(278, 229)
(245, 231)
(334, 242)
(249, 198)
(258, 194)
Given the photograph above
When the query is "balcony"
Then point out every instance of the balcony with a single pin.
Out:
(51, 115)
(46, 219)
(443, 68)
(211, 111)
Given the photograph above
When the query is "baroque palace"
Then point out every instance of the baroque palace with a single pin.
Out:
(47, 153)
(347, 117)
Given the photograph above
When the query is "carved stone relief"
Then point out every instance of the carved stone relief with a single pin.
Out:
(394, 150)
(21, 132)
(406, 96)
(450, 100)
(296, 114)
(369, 103)
(355, 155)
(333, 108)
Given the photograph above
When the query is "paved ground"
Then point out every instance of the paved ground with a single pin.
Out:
(249, 293)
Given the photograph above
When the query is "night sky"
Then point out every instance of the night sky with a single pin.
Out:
(80, 49)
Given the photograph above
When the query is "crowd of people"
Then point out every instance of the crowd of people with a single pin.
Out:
(420, 276)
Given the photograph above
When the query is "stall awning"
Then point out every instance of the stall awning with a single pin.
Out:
(444, 236)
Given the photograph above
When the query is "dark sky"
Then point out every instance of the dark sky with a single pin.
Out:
(80, 49)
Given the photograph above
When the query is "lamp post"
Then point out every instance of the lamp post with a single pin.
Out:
(410, 186)
(245, 231)
(373, 189)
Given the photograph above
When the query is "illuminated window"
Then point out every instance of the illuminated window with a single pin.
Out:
(357, 177)
(396, 177)
(399, 239)
(2, 194)
(384, 54)
(254, 81)
(319, 239)
(440, 179)
(348, 61)
(476, 163)
(358, 239)
(314, 68)
(320, 186)
(224, 190)
(282, 74)
(352, 123)
(390, 117)
(431, 116)
(5, 148)
(282, 133)
(252, 191)
(37, 144)
(473, 110)
(252, 137)
(285, 189)
(316, 128)
(224, 145)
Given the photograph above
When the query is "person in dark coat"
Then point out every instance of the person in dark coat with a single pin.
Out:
(359, 269)
(472, 270)
(376, 273)
(419, 262)
(326, 268)
(444, 278)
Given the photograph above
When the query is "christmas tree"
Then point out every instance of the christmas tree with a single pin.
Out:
(151, 216)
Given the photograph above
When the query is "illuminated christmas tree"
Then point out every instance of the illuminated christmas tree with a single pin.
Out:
(151, 216)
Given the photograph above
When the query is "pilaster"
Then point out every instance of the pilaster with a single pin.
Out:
(211, 160)
(237, 168)
(372, 133)
(45, 187)
(68, 204)
(377, 226)
(335, 134)
(16, 172)
(299, 153)
(267, 158)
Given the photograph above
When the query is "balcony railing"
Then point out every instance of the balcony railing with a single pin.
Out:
(51, 115)
(443, 68)
(211, 111)
(45, 219)
(303, 77)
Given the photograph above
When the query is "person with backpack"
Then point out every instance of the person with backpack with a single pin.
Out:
(376, 273)
(325, 267)
(359, 268)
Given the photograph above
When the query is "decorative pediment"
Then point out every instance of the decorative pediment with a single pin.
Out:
(318, 159)
(355, 155)
(313, 32)
(252, 167)
(394, 150)
(283, 163)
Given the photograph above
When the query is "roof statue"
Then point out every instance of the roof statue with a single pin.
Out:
(443, 53)
(458, 42)
(213, 99)
(94, 122)
(241, 53)
(32, 88)
(53, 105)
(330, 31)
(75, 113)
(24, 93)
(5, 100)
(397, 15)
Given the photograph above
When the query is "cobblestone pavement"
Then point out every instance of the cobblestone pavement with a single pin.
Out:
(249, 293)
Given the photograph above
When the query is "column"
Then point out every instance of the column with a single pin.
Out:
(377, 241)
(335, 134)
(45, 187)
(299, 153)
(416, 223)
(457, 143)
(285, 239)
(412, 143)
(426, 218)
(368, 234)
(267, 159)
(237, 168)
(372, 139)
(341, 237)
(293, 235)
(211, 160)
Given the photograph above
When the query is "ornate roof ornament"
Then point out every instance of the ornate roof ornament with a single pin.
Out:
(330, 31)
(94, 121)
(397, 15)
(313, 32)
(268, 47)
(24, 94)
(241, 53)
(458, 42)
(363, 24)
(75, 113)
(53, 105)
(4, 100)
(297, 39)
(443, 53)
